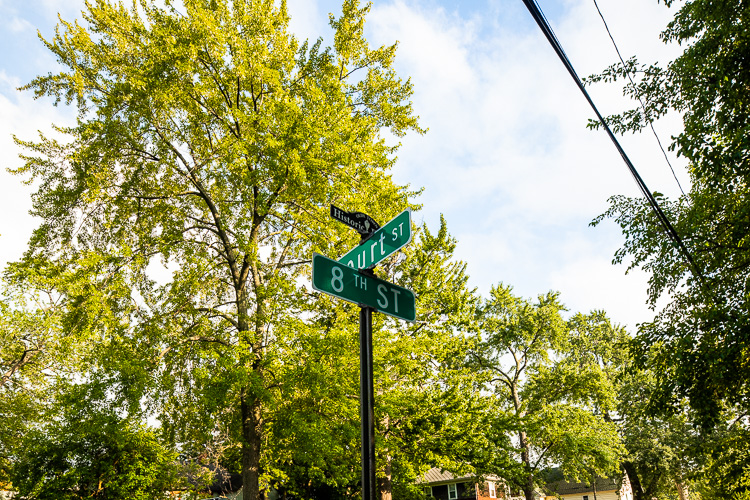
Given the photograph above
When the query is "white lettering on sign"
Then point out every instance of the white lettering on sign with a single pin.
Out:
(337, 279)
(360, 282)
(398, 231)
(395, 298)
(381, 291)
(344, 217)
(383, 300)
(377, 250)
(380, 244)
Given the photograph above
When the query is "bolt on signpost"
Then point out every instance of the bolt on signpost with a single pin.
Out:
(352, 279)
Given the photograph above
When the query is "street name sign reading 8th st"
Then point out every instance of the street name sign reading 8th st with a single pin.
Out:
(382, 243)
(344, 282)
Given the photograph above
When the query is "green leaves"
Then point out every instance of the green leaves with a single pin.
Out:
(698, 345)
(555, 380)
(194, 188)
(96, 457)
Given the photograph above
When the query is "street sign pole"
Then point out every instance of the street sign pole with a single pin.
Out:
(352, 279)
(367, 403)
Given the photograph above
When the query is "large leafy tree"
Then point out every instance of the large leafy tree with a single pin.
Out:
(699, 344)
(546, 374)
(88, 451)
(660, 460)
(212, 141)
(425, 398)
(702, 335)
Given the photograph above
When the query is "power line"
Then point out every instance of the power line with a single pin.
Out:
(543, 24)
(640, 100)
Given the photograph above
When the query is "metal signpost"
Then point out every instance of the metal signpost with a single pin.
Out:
(352, 279)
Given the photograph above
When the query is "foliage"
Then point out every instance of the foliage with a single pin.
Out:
(702, 336)
(315, 429)
(212, 142)
(699, 344)
(90, 452)
(548, 375)
(36, 353)
(660, 449)
(426, 405)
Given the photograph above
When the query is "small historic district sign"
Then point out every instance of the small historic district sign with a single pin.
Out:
(382, 243)
(344, 282)
(362, 223)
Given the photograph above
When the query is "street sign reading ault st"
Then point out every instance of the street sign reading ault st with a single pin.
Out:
(383, 242)
(344, 282)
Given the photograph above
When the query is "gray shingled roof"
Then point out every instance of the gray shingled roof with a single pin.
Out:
(566, 488)
(437, 474)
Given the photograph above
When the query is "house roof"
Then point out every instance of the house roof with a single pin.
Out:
(564, 487)
(438, 475)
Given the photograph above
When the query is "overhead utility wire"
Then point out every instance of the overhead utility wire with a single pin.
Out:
(541, 21)
(640, 100)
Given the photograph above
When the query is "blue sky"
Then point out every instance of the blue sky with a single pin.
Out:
(507, 159)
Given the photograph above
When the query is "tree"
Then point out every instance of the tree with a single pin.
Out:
(210, 140)
(700, 342)
(92, 453)
(24, 338)
(703, 331)
(554, 388)
(425, 398)
(660, 457)
(36, 354)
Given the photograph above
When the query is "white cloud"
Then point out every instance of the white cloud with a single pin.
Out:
(508, 159)
(23, 117)
(18, 25)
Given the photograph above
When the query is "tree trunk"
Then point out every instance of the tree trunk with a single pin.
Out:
(593, 484)
(523, 441)
(635, 483)
(682, 490)
(252, 416)
(251, 443)
(528, 489)
(385, 483)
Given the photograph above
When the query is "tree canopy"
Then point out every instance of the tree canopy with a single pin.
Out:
(209, 141)
(699, 344)
(168, 277)
(549, 376)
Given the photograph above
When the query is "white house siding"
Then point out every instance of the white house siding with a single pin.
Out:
(600, 495)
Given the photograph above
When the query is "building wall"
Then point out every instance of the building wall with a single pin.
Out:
(465, 491)
(600, 495)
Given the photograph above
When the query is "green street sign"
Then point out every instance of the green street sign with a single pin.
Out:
(340, 280)
(383, 242)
